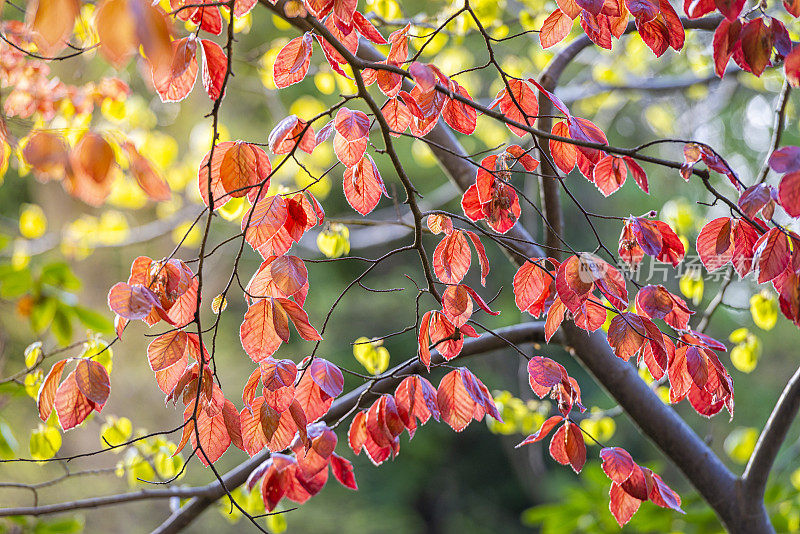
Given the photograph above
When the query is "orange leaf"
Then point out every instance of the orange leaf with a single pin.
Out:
(92, 380)
(292, 62)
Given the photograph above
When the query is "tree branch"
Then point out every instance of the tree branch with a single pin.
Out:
(712, 479)
(360, 397)
(777, 129)
(754, 479)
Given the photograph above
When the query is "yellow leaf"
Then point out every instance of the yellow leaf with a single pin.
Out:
(276, 524)
(764, 309)
(113, 228)
(219, 304)
(371, 354)
(739, 335)
(168, 466)
(795, 479)
(188, 235)
(115, 431)
(334, 241)
(32, 353)
(744, 356)
(32, 381)
(740, 443)
(32, 221)
(45, 442)
(233, 209)
(692, 287)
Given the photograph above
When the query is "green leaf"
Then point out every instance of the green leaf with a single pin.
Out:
(60, 526)
(42, 314)
(14, 284)
(62, 326)
(8, 443)
(93, 320)
(59, 274)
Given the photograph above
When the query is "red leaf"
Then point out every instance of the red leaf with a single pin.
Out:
(269, 215)
(714, 243)
(71, 405)
(266, 326)
(626, 335)
(215, 64)
(482, 258)
(771, 254)
(744, 240)
(277, 374)
(397, 116)
(585, 130)
(754, 198)
(789, 193)
(349, 152)
(656, 302)
(351, 125)
(520, 105)
(730, 8)
(555, 28)
(280, 276)
(327, 376)
(132, 301)
(459, 116)
(756, 45)
(544, 374)
(621, 504)
(570, 8)
(314, 402)
(177, 82)
(638, 174)
(791, 66)
(415, 399)
(423, 75)
(575, 446)
(617, 464)
(217, 189)
(366, 29)
(662, 495)
(343, 471)
(47, 391)
(243, 166)
(146, 176)
(452, 258)
(363, 185)
(455, 403)
(456, 304)
(786, 159)
(592, 6)
(564, 154)
(292, 62)
(543, 431)
(399, 50)
(213, 433)
(609, 174)
(167, 349)
(286, 134)
(567, 446)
